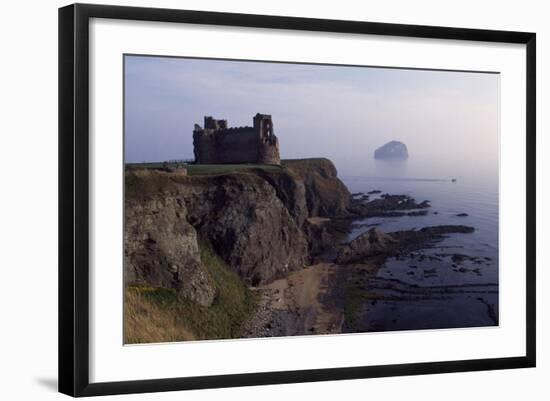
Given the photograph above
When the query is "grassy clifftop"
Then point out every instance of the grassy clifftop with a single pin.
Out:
(300, 166)
(208, 169)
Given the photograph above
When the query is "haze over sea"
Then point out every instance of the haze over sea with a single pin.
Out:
(474, 193)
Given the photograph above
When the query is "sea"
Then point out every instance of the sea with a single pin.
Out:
(464, 290)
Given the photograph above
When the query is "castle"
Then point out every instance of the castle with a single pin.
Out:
(218, 144)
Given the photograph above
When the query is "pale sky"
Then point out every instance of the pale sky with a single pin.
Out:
(343, 113)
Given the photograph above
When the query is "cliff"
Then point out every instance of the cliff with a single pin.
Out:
(326, 195)
(257, 221)
(160, 246)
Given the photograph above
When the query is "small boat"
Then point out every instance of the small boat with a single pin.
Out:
(453, 179)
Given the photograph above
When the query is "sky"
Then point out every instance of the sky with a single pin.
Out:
(448, 120)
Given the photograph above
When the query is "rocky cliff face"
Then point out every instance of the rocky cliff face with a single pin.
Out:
(256, 221)
(161, 248)
(326, 195)
(247, 224)
(291, 191)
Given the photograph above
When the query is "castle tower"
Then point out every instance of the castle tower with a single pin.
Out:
(263, 125)
(268, 146)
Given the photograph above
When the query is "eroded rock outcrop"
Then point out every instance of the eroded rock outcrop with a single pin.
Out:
(326, 195)
(376, 242)
(388, 206)
(291, 191)
(373, 242)
(247, 224)
(161, 249)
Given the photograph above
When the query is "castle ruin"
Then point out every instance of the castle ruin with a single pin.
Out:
(216, 143)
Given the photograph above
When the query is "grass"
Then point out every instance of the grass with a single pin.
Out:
(306, 162)
(299, 165)
(159, 315)
(149, 319)
(208, 169)
(232, 307)
(216, 169)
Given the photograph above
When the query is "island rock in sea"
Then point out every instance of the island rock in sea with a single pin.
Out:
(392, 150)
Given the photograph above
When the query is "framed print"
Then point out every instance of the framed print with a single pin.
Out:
(250, 199)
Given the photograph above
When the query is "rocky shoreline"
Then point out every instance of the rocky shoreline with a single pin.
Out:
(283, 232)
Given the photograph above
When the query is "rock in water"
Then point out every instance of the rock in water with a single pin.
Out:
(371, 243)
(376, 242)
(392, 150)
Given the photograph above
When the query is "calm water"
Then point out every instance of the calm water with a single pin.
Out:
(473, 193)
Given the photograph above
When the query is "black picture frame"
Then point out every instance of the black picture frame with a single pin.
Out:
(74, 200)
